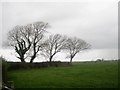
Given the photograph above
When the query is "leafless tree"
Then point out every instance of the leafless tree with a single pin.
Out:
(54, 44)
(18, 40)
(27, 39)
(75, 45)
(38, 34)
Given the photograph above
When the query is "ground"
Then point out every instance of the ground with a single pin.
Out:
(79, 75)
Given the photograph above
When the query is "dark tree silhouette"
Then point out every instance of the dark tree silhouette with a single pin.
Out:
(38, 34)
(74, 46)
(20, 41)
(27, 39)
(53, 45)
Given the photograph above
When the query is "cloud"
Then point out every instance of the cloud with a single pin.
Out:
(95, 22)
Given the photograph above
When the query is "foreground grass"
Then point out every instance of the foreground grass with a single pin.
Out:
(80, 75)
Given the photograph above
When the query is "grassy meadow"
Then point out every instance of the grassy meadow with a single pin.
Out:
(79, 75)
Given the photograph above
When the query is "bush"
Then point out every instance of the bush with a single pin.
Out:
(4, 69)
(19, 65)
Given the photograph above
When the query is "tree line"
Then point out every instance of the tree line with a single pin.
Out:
(30, 40)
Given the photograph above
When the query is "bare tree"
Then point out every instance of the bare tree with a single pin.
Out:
(27, 38)
(38, 34)
(20, 41)
(54, 44)
(74, 46)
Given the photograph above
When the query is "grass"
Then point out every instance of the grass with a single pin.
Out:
(79, 75)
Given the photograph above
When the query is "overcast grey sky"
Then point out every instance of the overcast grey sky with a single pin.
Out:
(95, 22)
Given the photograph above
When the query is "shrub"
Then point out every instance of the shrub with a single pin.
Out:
(19, 65)
(4, 67)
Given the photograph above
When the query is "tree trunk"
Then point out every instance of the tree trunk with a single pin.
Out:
(71, 58)
(22, 59)
(50, 58)
(32, 58)
(31, 61)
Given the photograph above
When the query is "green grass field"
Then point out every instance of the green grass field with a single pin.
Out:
(79, 75)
